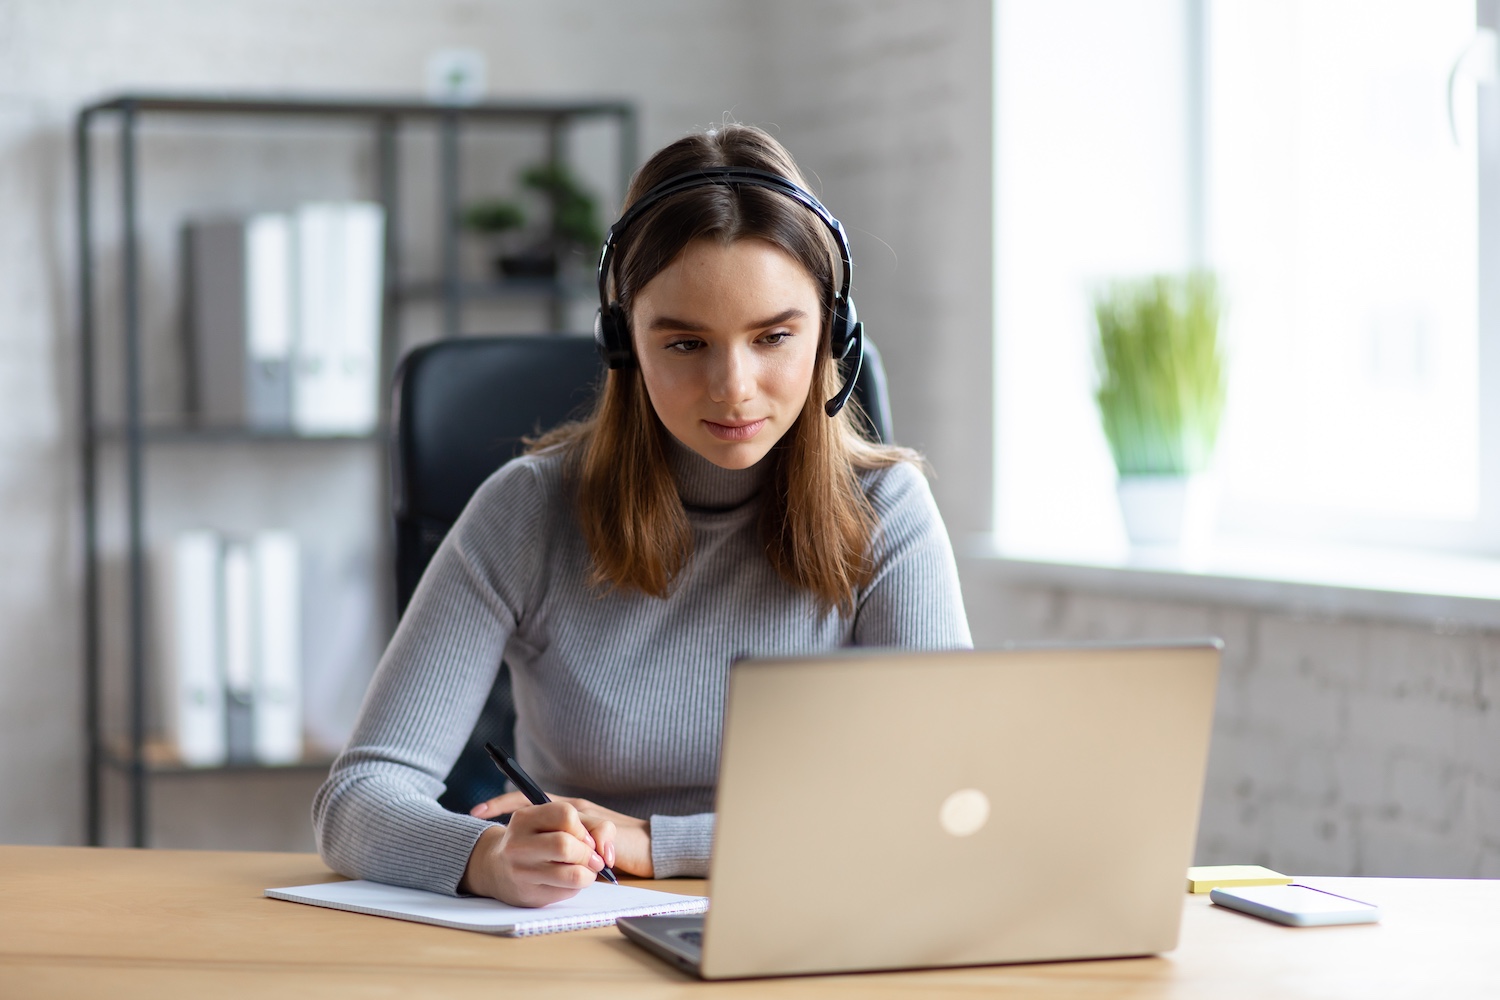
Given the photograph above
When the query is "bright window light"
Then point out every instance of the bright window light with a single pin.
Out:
(1343, 215)
(1323, 157)
(1091, 163)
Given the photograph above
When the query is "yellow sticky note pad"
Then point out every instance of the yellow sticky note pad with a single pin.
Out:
(1206, 877)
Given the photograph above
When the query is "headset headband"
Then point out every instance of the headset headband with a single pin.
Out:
(729, 177)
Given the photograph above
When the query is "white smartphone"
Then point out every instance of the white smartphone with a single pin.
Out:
(1296, 905)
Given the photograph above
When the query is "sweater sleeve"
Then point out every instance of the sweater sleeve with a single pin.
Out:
(377, 815)
(914, 600)
(680, 845)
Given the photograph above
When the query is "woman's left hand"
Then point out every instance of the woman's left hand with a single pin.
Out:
(627, 838)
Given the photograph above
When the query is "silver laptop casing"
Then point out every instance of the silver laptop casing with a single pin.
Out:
(830, 853)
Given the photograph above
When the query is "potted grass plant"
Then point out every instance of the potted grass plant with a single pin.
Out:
(1161, 396)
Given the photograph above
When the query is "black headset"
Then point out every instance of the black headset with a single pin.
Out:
(612, 328)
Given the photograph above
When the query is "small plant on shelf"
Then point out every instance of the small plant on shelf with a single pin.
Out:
(494, 219)
(1161, 396)
(575, 212)
(571, 228)
(494, 216)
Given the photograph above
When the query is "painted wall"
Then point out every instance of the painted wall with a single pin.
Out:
(887, 105)
(1342, 746)
(846, 85)
(679, 61)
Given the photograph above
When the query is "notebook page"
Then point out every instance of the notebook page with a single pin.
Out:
(598, 905)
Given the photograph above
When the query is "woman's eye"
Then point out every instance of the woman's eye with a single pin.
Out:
(775, 337)
(684, 346)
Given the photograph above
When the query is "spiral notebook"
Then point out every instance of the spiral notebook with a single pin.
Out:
(598, 905)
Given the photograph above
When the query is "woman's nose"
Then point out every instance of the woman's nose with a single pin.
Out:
(731, 376)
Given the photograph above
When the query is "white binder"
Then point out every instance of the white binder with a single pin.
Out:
(278, 651)
(188, 615)
(340, 281)
(269, 319)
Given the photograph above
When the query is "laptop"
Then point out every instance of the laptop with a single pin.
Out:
(905, 810)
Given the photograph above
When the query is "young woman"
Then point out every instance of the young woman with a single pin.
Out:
(711, 507)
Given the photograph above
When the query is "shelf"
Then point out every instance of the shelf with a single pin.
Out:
(130, 438)
(160, 759)
(164, 434)
(510, 288)
(1441, 590)
(336, 106)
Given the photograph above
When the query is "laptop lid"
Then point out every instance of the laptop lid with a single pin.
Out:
(892, 809)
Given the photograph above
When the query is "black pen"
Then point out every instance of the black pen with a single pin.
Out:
(529, 788)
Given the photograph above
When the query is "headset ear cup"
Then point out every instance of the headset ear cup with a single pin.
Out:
(612, 336)
(851, 364)
(845, 318)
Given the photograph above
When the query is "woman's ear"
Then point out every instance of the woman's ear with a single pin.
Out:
(612, 336)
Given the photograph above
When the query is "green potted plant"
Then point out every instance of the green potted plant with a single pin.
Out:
(1161, 397)
(493, 218)
(572, 231)
(575, 213)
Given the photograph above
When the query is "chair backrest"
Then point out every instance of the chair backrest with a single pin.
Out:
(461, 409)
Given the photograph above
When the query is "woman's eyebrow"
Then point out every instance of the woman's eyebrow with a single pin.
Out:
(781, 317)
(671, 323)
(687, 326)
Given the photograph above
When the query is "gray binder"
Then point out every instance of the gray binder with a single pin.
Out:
(239, 274)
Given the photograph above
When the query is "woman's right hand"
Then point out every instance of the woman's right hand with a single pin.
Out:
(545, 854)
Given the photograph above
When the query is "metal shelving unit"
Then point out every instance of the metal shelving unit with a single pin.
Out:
(138, 758)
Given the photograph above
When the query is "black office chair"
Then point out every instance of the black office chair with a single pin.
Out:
(461, 409)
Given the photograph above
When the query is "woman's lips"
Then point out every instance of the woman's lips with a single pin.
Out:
(736, 431)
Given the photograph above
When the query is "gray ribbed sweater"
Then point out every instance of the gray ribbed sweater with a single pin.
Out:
(619, 696)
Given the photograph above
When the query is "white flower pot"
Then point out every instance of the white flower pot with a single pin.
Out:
(1168, 510)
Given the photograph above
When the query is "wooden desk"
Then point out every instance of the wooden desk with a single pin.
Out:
(100, 923)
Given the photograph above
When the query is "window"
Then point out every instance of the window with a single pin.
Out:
(1326, 158)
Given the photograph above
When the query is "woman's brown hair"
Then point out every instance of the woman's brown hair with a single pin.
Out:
(816, 523)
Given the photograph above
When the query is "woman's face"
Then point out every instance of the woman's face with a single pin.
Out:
(726, 337)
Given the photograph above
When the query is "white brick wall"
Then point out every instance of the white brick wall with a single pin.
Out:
(1341, 746)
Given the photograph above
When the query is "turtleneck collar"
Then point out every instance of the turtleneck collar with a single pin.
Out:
(705, 486)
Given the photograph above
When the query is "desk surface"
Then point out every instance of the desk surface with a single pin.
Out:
(121, 923)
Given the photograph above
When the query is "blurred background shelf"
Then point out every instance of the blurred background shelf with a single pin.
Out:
(118, 437)
(188, 434)
(510, 288)
(158, 757)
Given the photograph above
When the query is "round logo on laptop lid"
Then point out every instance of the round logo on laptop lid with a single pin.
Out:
(964, 812)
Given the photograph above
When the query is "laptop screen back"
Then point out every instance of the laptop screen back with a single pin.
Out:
(904, 810)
